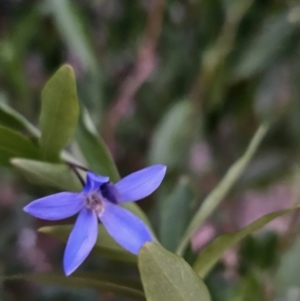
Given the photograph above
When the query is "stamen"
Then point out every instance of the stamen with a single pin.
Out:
(94, 202)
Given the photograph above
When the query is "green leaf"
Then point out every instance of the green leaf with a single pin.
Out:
(166, 276)
(214, 251)
(175, 211)
(94, 149)
(105, 245)
(13, 144)
(48, 174)
(172, 139)
(14, 120)
(97, 281)
(212, 201)
(60, 112)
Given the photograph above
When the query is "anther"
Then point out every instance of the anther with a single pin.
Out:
(94, 202)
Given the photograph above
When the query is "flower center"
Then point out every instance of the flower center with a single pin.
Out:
(94, 202)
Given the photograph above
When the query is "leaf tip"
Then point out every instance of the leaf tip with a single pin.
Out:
(17, 162)
(14, 161)
(68, 69)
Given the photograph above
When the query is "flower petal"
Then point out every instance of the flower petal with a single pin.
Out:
(56, 206)
(94, 181)
(141, 183)
(126, 229)
(81, 241)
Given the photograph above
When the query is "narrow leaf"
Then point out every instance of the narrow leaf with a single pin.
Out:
(60, 112)
(98, 281)
(212, 201)
(13, 144)
(214, 251)
(94, 149)
(166, 276)
(47, 174)
(105, 245)
(14, 120)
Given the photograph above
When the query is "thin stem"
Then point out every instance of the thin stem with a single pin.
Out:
(74, 168)
(71, 164)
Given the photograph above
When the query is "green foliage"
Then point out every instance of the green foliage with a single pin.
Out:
(167, 276)
(94, 149)
(58, 176)
(215, 197)
(14, 120)
(177, 75)
(59, 114)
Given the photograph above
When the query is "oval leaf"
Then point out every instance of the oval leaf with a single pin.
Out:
(13, 144)
(59, 114)
(166, 276)
(105, 245)
(48, 174)
(97, 281)
(214, 251)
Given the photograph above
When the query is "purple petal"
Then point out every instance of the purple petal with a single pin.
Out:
(81, 241)
(56, 206)
(141, 183)
(94, 181)
(125, 228)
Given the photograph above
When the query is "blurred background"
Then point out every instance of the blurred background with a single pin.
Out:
(184, 83)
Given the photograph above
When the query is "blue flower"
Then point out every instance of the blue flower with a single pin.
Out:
(99, 199)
